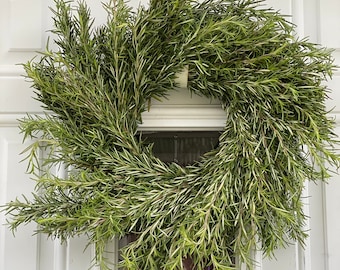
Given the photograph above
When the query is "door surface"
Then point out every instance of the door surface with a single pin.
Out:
(23, 26)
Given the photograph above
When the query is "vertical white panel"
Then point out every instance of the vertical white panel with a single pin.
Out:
(283, 6)
(303, 252)
(334, 102)
(284, 259)
(80, 255)
(25, 25)
(59, 255)
(3, 197)
(298, 17)
(46, 253)
(330, 23)
(60, 249)
(4, 26)
(136, 3)
(16, 96)
(19, 252)
(311, 20)
(333, 220)
(112, 253)
(318, 234)
(77, 256)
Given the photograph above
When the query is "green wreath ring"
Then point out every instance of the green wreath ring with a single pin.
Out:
(241, 196)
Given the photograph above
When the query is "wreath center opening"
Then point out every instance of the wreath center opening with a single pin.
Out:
(181, 147)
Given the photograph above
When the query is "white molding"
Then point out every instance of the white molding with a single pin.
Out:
(174, 117)
(11, 70)
(336, 117)
(184, 117)
(325, 232)
(25, 34)
(60, 253)
(208, 117)
(11, 119)
(198, 117)
(298, 17)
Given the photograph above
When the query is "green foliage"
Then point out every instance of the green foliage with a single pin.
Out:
(246, 193)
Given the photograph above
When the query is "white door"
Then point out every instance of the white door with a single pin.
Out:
(21, 34)
(23, 25)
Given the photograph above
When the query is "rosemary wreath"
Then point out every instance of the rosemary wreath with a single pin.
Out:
(244, 194)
